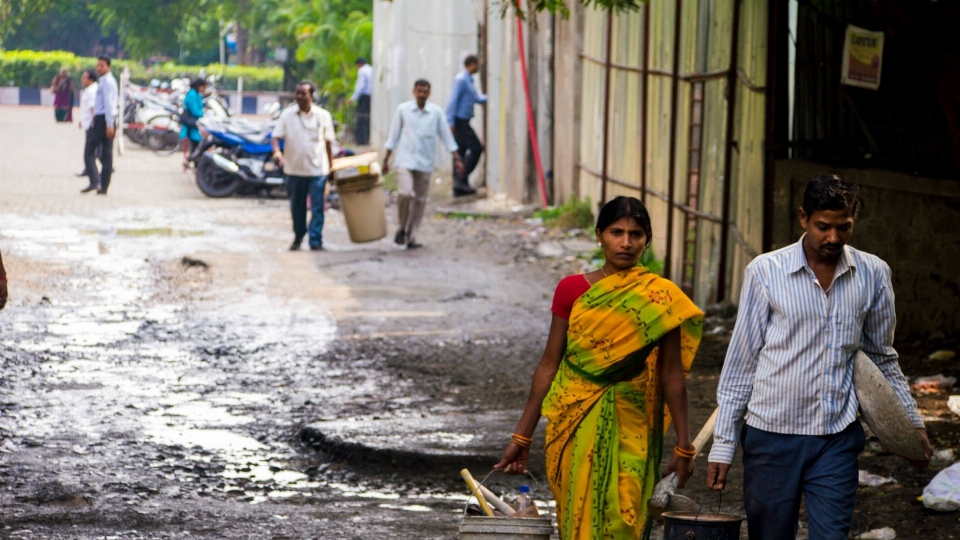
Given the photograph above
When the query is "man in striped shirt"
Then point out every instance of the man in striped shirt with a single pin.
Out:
(786, 392)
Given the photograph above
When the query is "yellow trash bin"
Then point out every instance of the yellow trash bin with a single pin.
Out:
(362, 200)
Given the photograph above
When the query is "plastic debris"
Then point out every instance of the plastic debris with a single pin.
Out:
(933, 384)
(942, 355)
(943, 457)
(953, 403)
(943, 492)
(874, 480)
(885, 533)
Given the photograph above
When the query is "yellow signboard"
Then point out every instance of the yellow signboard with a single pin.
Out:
(862, 58)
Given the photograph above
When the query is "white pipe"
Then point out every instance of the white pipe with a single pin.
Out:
(239, 95)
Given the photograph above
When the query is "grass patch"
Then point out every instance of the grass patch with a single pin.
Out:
(465, 215)
(573, 214)
(158, 231)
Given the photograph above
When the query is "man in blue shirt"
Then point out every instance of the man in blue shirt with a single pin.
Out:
(101, 132)
(361, 96)
(413, 136)
(463, 98)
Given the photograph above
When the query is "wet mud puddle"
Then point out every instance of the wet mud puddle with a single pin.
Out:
(120, 389)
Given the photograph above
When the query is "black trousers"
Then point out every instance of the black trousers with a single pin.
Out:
(362, 130)
(470, 150)
(97, 140)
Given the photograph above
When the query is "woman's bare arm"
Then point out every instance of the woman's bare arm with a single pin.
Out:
(514, 458)
(675, 394)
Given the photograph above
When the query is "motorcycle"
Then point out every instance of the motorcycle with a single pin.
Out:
(233, 155)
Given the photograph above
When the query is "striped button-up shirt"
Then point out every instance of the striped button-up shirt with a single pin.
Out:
(414, 134)
(789, 368)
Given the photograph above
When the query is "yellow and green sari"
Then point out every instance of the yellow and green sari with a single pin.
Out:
(605, 410)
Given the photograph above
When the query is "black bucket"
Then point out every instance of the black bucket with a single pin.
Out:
(694, 526)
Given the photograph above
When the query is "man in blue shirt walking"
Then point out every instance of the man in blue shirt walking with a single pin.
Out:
(463, 98)
(361, 96)
(416, 128)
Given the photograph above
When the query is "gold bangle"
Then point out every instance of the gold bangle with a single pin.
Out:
(683, 452)
(520, 442)
(522, 438)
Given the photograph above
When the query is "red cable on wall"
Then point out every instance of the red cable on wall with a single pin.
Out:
(530, 122)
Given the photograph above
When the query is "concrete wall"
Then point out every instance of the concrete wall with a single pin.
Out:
(568, 72)
(912, 223)
(415, 39)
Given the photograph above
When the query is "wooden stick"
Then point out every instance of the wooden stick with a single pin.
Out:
(475, 491)
(497, 502)
(705, 433)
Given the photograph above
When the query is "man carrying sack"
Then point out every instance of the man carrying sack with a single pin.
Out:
(786, 394)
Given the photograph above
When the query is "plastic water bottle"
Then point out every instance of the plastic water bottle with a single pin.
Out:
(523, 498)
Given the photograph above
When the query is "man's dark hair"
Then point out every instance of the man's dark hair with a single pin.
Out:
(621, 207)
(831, 192)
(361, 60)
(310, 85)
(91, 74)
(421, 82)
(470, 60)
(198, 82)
(105, 58)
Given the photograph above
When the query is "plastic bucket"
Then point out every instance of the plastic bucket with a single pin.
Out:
(363, 204)
(497, 528)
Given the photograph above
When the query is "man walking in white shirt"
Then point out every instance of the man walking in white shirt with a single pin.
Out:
(88, 81)
(786, 392)
(307, 133)
(413, 135)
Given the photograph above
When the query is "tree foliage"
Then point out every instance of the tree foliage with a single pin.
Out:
(560, 7)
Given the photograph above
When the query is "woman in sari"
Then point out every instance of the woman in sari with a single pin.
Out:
(621, 343)
(64, 93)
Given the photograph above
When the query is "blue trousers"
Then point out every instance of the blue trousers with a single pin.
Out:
(298, 188)
(778, 469)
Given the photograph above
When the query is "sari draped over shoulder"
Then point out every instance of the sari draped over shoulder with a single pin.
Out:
(605, 409)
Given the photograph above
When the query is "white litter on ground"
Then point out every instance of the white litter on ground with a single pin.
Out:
(885, 533)
(874, 480)
(943, 492)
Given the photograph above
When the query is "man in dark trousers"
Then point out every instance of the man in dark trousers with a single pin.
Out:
(786, 392)
(463, 98)
(307, 133)
(361, 96)
(101, 132)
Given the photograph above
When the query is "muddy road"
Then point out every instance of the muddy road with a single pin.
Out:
(169, 370)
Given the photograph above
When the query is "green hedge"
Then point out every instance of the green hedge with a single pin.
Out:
(36, 69)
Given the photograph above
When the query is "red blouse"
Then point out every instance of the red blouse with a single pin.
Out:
(568, 291)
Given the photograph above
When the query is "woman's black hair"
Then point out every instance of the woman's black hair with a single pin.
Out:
(91, 74)
(831, 192)
(198, 82)
(621, 207)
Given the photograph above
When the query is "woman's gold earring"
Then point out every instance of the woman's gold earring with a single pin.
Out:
(598, 244)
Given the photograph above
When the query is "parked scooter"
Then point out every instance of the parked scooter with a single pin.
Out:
(234, 155)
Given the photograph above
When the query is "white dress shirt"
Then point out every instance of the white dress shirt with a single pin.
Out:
(88, 99)
(107, 96)
(789, 367)
(305, 135)
(414, 133)
(364, 84)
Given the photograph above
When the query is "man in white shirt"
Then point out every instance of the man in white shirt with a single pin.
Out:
(361, 96)
(101, 132)
(413, 135)
(88, 80)
(307, 133)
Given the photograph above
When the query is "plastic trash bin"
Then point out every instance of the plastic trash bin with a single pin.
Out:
(362, 200)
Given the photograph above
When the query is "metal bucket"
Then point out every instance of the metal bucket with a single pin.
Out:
(694, 526)
(495, 528)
